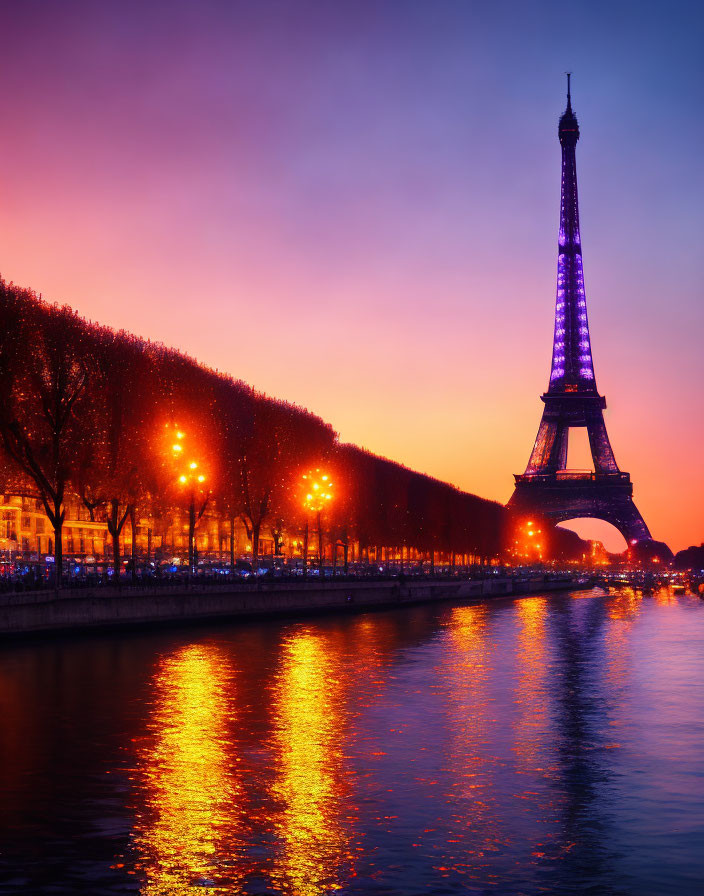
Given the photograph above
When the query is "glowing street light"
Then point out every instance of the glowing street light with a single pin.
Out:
(317, 487)
(190, 479)
(528, 540)
(318, 491)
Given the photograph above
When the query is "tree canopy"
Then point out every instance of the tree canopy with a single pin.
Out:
(127, 424)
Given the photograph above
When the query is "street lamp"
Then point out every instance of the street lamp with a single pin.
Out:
(190, 479)
(532, 545)
(317, 488)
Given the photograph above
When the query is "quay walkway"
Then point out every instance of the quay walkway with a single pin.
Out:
(108, 606)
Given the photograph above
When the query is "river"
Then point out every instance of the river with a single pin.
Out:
(547, 744)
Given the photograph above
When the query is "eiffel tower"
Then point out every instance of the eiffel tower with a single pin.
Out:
(572, 399)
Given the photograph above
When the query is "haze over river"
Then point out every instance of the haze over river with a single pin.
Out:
(545, 744)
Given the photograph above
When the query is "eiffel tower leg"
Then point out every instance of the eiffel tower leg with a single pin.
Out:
(550, 449)
(558, 461)
(602, 453)
(626, 517)
(542, 449)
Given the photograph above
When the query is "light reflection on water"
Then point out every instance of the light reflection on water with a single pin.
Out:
(189, 817)
(549, 744)
(470, 764)
(309, 784)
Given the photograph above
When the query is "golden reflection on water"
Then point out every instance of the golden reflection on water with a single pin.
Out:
(623, 608)
(665, 596)
(469, 814)
(311, 779)
(189, 791)
(532, 693)
(625, 605)
(538, 801)
(468, 675)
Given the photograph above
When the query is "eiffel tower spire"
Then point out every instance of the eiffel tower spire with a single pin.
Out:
(572, 367)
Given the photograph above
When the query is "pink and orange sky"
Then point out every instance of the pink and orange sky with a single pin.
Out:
(354, 206)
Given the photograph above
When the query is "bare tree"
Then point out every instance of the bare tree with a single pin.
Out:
(47, 359)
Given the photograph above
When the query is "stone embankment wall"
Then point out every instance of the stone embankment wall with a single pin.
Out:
(100, 607)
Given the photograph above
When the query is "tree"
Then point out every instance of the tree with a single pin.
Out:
(188, 445)
(276, 443)
(234, 409)
(119, 470)
(47, 361)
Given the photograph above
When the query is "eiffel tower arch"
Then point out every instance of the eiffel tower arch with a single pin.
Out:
(572, 399)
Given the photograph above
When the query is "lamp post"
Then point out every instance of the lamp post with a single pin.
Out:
(317, 495)
(533, 546)
(191, 480)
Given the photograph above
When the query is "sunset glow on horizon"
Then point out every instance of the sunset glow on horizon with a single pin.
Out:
(356, 209)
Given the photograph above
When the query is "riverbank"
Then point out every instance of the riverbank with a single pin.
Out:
(104, 607)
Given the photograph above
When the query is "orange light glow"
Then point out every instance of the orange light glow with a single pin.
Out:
(320, 490)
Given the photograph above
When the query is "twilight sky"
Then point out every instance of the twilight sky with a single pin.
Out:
(354, 206)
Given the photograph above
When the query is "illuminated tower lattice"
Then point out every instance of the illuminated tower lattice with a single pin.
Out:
(572, 399)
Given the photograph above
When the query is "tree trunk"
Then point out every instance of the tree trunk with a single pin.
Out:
(256, 528)
(58, 551)
(232, 544)
(320, 548)
(133, 544)
(305, 551)
(116, 555)
(346, 550)
(191, 532)
(114, 528)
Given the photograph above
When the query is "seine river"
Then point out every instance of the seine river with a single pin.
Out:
(553, 744)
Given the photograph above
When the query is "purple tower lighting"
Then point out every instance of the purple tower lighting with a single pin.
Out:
(572, 366)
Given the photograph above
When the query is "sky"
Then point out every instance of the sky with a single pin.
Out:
(354, 206)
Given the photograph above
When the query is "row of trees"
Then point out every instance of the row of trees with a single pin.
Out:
(132, 427)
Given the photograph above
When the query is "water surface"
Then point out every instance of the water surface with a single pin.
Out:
(548, 744)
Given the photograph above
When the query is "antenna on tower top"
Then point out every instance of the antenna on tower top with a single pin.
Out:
(569, 98)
